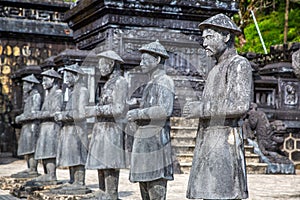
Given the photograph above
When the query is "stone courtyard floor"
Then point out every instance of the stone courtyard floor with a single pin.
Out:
(261, 187)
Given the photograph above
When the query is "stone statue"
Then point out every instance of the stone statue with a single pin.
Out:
(296, 63)
(151, 159)
(265, 138)
(218, 169)
(73, 140)
(30, 126)
(106, 151)
(46, 147)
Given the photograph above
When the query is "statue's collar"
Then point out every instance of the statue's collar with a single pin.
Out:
(228, 53)
(157, 73)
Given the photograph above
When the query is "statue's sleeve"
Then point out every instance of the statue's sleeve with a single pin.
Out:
(83, 100)
(37, 101)
(118, 105)
(80, 100)
(56, 106)
(239, 90)
(164, 96)
(35, 107)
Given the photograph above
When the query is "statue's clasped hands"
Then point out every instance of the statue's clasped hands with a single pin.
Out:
(19, 118)
(90, 111)
(132, 115)
(58, 116)
(192, 109)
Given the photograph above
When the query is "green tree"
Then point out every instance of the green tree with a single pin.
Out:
(271, 17)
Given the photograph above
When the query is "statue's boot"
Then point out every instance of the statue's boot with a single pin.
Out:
(69, 184)
(47, 179)
(108, 183)
(111, 183)
(72, 173)
(31, 172)
(78, 172)
(79, 176)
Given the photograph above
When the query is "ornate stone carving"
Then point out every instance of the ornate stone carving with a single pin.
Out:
(29, 13)
(267, 140)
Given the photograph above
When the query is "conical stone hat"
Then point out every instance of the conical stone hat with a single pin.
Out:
(111, 55)
(220, 21)
(74, 68)
(31, 79)
(156, 48)
(51, 73)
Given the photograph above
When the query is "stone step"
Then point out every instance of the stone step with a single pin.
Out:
(186, 167)
(184, 131)
(249, 148)
(257, 168)
(183, 122)
(252, 158)
(183, 149)
(185, 157)
(183, 140)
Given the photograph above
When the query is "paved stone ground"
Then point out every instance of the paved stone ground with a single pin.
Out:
(261, 187)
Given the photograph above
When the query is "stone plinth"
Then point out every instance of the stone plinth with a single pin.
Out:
(48, 194)
(7, 183)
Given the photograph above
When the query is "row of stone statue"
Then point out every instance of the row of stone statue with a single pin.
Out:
(218, 169)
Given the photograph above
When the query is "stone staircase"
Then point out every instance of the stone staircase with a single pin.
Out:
(183, 139)
(253, 164)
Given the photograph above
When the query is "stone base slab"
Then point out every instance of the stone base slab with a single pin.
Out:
(8, 183)
(52, 194)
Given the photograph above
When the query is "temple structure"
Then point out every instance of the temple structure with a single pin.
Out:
(30, 32)
(43, 34)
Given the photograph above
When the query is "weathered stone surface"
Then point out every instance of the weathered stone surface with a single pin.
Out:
(7, 183)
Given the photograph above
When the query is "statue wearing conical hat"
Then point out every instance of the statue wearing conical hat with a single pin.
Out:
(46, 148)
(106, 151)
(218, 170)
(30, 126)
(151, 158)
(73, 138)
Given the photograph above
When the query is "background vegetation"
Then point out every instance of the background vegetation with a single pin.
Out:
(270, 15)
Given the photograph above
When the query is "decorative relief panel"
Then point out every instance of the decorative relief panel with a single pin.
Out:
(187, 57)
(289, 93)
(33, 14)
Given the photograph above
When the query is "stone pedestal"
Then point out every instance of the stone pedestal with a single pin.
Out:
(50, 193)
(7, 183)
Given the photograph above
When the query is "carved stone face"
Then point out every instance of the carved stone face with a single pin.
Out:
(148, 62)
(214, 42)
(27, 87)
(47, 82)
(70, 78)
(105, 66)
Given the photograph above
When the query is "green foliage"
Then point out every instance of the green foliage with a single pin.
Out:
(271, 27)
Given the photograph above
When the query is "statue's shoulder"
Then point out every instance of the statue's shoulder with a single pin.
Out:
(240, 63)
(241, 60)
(82, 88)
(121, 80)
(167, 82)
(58, 92)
